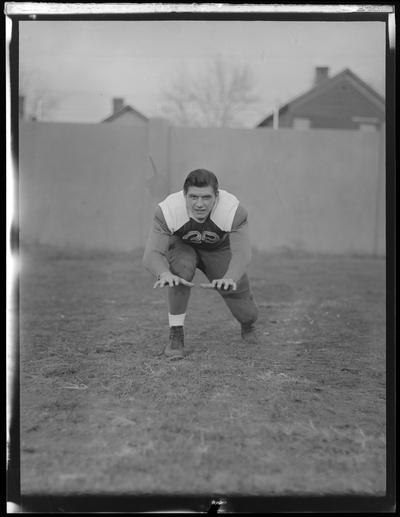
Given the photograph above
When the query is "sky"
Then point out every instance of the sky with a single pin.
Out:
(84, 64)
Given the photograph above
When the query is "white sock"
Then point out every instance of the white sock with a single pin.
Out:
(176, 320)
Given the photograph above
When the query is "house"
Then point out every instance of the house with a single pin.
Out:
(126, 115)
(343, 101)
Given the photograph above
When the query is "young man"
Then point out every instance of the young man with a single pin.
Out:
(206, 228)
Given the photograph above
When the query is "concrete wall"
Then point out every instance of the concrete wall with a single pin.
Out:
(308, 190)
(93, 186)
(380, 209)
(81, 185)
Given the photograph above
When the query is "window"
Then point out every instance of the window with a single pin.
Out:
(367, 127)
(301, 123)
(366, 123)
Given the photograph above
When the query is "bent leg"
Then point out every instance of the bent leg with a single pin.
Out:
(241, 302)
(182, 262)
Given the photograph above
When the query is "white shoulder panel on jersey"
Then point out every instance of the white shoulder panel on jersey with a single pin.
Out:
(224, 210)
(174, 210)
(175, 213)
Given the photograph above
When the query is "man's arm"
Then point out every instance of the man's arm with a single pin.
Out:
(154, 258)
(155, 253)
(241, 253)
(240, 245)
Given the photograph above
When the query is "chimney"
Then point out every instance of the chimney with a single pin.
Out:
(118, 104)
(321, 73)
(21, 106)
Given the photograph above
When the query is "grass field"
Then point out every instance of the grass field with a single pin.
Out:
(302, 412)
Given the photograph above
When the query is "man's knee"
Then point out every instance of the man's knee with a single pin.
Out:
(242, 302)
(183, 265)
(244, 308)
(182, 260)
(254, 311)
(184, 269)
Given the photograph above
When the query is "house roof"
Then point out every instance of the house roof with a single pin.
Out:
(346, 74)
(125, 109)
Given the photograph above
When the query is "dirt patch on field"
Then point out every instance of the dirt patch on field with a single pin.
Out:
(302, 412)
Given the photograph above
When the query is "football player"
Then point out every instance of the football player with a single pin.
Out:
(201, 227)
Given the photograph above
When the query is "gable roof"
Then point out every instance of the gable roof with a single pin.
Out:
(320, 88)
(125, 109)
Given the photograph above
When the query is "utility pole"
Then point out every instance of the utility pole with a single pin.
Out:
(276, 114)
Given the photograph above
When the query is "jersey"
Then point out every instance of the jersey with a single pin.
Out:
(226, 226)
(209, 234)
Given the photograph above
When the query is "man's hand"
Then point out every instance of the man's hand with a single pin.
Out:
(171, 280)
(225, 284)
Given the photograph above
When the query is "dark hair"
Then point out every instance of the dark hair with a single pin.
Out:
(201, 178)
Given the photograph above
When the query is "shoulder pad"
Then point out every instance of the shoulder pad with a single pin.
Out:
(224, 210)
(174, 211)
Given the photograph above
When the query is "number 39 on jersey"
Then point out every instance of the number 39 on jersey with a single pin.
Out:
(197, 237)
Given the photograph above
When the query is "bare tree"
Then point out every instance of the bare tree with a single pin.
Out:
(39, 101)
(215, 98)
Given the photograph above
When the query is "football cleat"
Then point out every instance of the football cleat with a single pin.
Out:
(174, 348)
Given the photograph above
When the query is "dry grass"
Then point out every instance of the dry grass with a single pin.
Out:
(301, 412)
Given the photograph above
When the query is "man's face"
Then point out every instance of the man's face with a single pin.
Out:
(200, 201)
